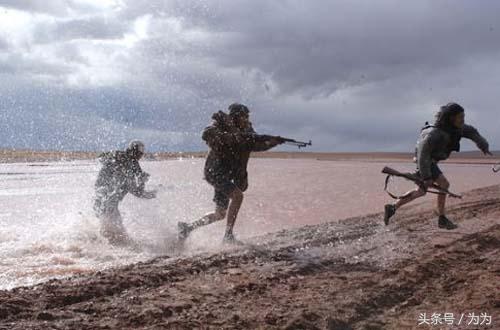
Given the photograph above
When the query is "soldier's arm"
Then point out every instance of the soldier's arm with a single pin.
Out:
(251, 141)
(215, 137)
(257, 142)
(209, 134)
(138, 179)
(471, 133)
(139, 190)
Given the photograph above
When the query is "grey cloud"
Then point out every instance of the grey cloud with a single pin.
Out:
(325, 46)
(93, 28)
(84, 28)
(17, 64)
(76, 119)
(56, 7)
(352, 76)
(3, 45)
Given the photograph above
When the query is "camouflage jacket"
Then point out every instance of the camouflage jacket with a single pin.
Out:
(229, 153)
(436, 144)
(120, 174)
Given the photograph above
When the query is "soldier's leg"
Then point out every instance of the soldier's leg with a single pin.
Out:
(234, 207)
(217, 215)
(112, 226)
(221, 200)
(441, 199)
(390, 209)
(443, 221)
(409, 197)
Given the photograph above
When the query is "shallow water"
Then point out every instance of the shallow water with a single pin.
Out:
(48, 230)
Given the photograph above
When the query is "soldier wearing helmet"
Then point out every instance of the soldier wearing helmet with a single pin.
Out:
(120, 174)
(231, 140)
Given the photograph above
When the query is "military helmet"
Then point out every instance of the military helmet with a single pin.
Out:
(238, 109)
(136, 148)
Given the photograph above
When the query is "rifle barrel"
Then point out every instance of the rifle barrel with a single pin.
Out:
(299, 144)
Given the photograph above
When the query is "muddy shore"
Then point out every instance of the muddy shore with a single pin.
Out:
(349, 274)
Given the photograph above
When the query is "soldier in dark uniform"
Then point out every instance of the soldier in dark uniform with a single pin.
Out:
(231, 139)
(435, 144)
(120, 174)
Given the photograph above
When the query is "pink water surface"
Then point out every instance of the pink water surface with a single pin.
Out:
(290, 193)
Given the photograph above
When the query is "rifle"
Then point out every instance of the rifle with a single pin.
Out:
(296, 143)
(496, 168)
(417, 180)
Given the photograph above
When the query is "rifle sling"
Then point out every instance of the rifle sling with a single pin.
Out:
(402, 196)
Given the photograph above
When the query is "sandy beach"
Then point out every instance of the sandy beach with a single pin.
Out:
(350, 274)
(316, 256)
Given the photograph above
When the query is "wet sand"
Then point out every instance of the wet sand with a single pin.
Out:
(48, 229)
(316, 256)
(354, 273)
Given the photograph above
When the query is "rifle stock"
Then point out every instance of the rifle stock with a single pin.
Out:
(410, 176)
(390, 171)
(418, 181)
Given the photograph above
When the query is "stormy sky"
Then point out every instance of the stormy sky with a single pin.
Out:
(351, 75)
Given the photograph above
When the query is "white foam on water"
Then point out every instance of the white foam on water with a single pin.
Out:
(47, 229)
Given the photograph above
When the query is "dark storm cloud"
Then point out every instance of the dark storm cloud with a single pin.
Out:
(351, 75)
(323, 46)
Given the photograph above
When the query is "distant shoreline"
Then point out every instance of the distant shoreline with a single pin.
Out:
(18, 156)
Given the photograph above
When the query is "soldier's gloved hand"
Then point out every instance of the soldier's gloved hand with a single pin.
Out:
(149, 194)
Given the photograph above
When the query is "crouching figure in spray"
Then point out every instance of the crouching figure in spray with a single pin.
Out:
(120, 174)
(435, 144)
(231, 139)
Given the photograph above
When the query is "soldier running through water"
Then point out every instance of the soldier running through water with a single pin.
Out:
(231, 139)
(120, 174)
(435, 144)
